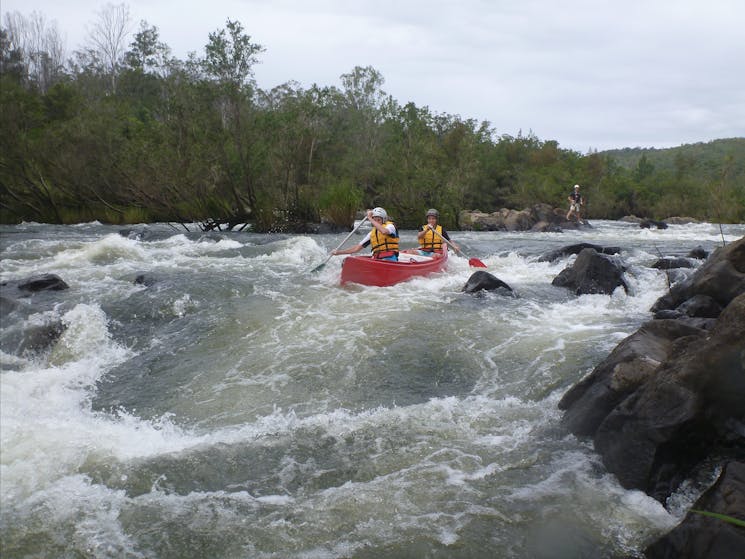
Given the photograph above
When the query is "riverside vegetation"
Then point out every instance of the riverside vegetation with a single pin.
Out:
(126, 133)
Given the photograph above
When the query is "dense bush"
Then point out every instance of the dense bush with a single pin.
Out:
(157, 138)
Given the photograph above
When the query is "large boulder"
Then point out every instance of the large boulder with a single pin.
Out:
(721, 277)
(518, 220)
(690, 409)
(591, 273)
(480, 221)
(701, 536)
(628, 366)
(681, 220)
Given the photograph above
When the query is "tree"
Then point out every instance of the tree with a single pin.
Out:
(643, 169)
(230, 55)
(147, 53)
(38, 47)
(108, 36)
(229, 59)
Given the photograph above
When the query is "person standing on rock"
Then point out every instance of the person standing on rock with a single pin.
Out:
(576, 201)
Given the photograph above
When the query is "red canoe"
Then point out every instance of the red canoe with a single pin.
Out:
(380, 273)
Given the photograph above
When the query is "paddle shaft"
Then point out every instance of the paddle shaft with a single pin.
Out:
(472, 261)
(322, 264)
(451, 245)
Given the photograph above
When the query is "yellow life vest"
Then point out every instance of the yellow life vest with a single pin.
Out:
(429, 241)
(383, 245)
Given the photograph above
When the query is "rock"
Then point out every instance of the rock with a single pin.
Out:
(7, 305)
(667, 314)
(576, 249)
(701, 306)
(145, 279)
(545, 212)
(45, 282)
(19, 289)
(144, 233)
(649, 223)
(484, 281)
(628, 366)
(518, 221)
(676, 275)
(479, 221)
(591, 273)
(703, 537)
(546, 227)
(31, 335)
(677, 220)
(691, 408)
(669, 263)
(540, 217)
(38, 337)
(631, 219)
(698, 253)
(721, 277)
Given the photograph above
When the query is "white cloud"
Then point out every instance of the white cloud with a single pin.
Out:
(589, 74)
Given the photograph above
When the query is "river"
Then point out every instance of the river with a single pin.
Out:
(240, 406)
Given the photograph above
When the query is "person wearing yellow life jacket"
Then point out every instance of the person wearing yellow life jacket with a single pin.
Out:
(429, 241)
(382, 239)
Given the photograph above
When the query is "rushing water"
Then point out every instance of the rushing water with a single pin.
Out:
(241, 406)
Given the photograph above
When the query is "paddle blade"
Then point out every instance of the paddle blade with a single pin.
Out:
(476, 263)
(318, 268)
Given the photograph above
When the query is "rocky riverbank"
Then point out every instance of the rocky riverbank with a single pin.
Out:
(544, 218)
(668, 405)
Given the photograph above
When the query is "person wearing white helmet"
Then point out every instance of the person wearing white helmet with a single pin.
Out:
(383, 238)
(576, 201)
(431, 236)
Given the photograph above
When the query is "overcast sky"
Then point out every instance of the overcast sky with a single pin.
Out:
(588, 74)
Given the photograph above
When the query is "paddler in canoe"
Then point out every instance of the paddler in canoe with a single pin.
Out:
(383, 237)
(432, 235)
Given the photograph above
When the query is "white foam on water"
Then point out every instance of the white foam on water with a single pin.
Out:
(430, 462)
(48, 427)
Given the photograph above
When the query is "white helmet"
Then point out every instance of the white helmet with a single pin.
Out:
(380, 212)
(576, 186)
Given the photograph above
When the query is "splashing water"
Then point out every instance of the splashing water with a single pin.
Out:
(238, 406)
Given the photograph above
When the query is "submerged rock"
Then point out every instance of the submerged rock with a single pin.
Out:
(34, 284)
(649, 223)
(484, 281)
(698, 253)
(670, 263)
(576, 249)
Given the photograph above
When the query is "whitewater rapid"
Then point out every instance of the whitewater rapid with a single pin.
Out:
(241, 406)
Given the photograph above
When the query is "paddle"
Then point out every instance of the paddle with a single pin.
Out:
(322, 264)
(475, 262)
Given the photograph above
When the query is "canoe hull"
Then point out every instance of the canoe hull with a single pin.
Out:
(381, 273)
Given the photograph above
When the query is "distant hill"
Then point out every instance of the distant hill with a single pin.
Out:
(702, 155)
